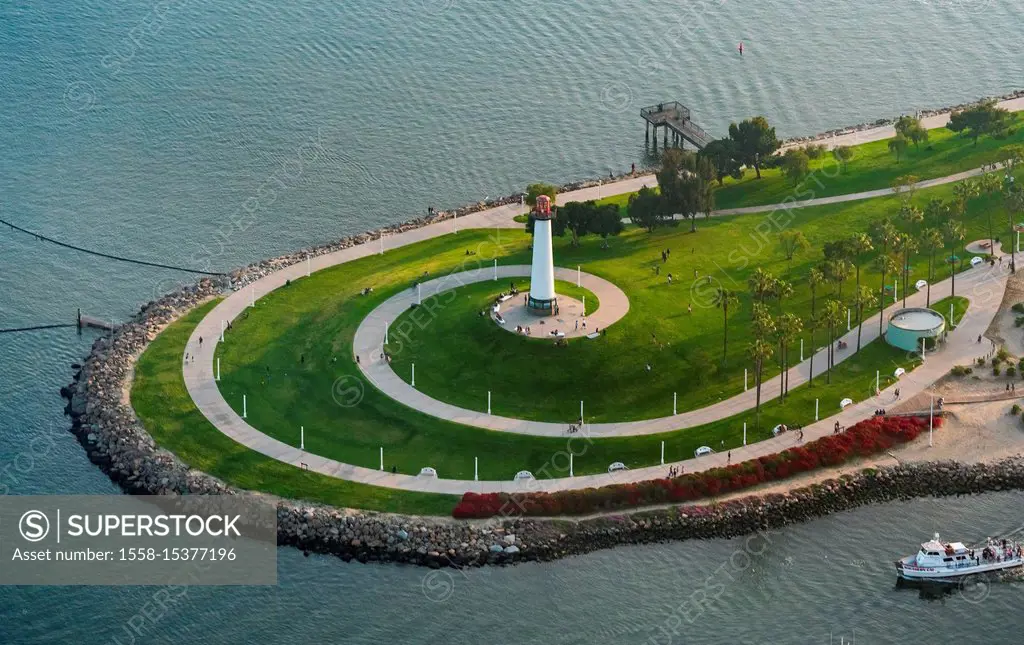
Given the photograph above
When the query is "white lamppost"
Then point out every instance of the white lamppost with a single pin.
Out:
(302, 437)
(931, 417)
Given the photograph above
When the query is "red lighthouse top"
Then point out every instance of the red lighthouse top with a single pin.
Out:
(543, 208)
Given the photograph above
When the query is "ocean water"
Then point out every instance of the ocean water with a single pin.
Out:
(210, 134)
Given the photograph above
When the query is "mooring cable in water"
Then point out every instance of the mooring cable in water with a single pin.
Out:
(36, 327)
(107, 255)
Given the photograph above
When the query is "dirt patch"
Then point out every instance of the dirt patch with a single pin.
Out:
(1003, 331)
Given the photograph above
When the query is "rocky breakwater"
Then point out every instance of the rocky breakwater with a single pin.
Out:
(441, 543)
(113, 437)
(879, 123)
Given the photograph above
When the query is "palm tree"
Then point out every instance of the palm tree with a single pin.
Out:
(759, 351)
(964, 192)
(936, 212)
(884, 264)
(989, 184)
(832, 317)
(787, 327)
(837, 270)
(1014, 204)
(814, 280)
(861, 297)
(931, 243)
(885, 235)
(859, 244)
(722, 299)
(813, 324)
(911, 217)
(760, 283)
(781, 290)
(1013, 195)
(953, 231)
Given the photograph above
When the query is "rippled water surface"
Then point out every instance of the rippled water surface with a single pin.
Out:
(209, 133)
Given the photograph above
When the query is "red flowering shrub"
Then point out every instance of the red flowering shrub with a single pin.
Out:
(863, 439)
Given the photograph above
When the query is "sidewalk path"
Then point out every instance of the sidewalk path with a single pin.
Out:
(369, 338)
(983, 286)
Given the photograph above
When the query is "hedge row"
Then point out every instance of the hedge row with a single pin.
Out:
(863, 439)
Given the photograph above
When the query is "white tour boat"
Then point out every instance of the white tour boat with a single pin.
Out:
(938, 560)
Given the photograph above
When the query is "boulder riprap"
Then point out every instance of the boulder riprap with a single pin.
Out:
(115, 439)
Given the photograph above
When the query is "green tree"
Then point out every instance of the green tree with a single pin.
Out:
(936, 212)
(885, 265)
(911, 218)
(897, 146)
(981, 119)
(857, 246)
(787, 327)
(813, 325)
(1013, 195)
(862, 296)
(577, 218)
(792, 242)
(755, 141)
(837, 270)
(533, 191)
(723, 157)
(989, 184)
(646, 209)
(607, 221)
(963, 193)
(815, 278)
(884, 235)
(831, 319)
(763, 328)
(843, 154)
(931, 243)
(759, 351)
(760, 283)
(796, 165)
(702, 188)
(910, 127)
(781, 290)
(953, 232)
(905, 186)
(672, 179)
(722, 299)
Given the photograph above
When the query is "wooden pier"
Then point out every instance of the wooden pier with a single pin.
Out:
(89, 321)
(674, 117)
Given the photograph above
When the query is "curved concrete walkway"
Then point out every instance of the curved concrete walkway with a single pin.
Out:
(983, 286)
(370, 337)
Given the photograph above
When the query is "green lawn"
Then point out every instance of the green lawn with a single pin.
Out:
(162, 403)
(300, 330)
(871, 168)
(458, 358)
(960, 305)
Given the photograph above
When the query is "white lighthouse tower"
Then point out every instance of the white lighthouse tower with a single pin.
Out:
(542, 300)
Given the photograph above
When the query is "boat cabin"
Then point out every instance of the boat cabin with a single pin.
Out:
(935, 553)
